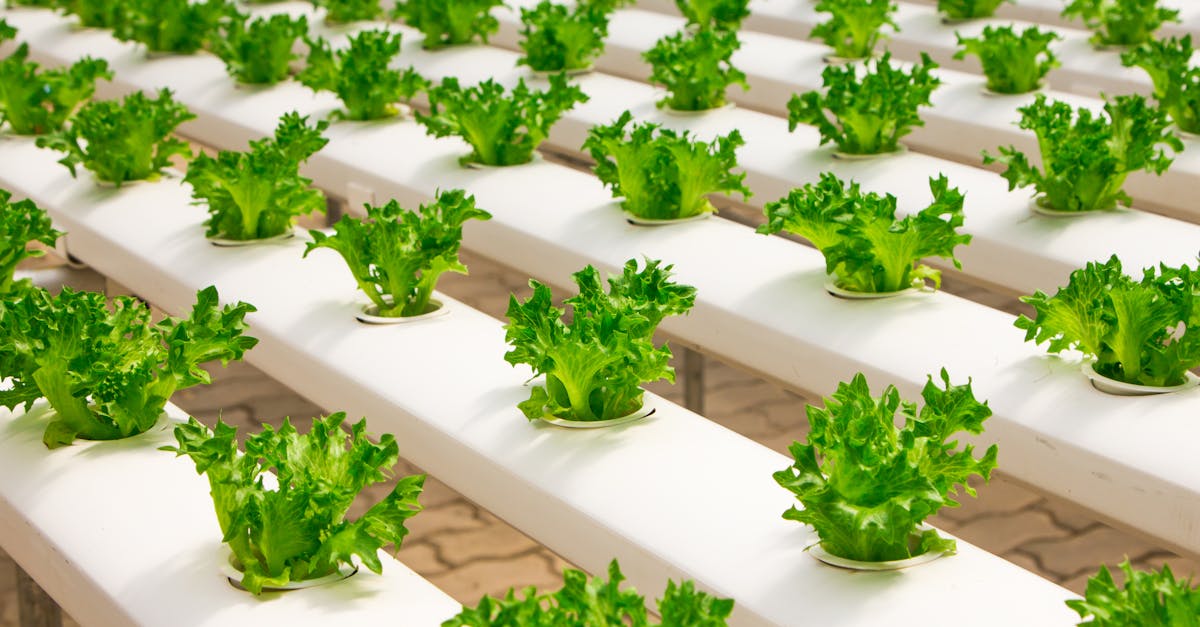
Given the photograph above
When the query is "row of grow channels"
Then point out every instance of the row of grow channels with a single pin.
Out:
(544, 398)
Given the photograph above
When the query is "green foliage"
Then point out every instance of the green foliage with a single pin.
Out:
(556, 38)
(122, 141)
(344, 11)
(854, 26)
(1148, 599)
(714, 14)
(875, 483)
(179, 26)
(661, 173)
(21, 223)
(1120, 22)
(104, 368)
(449, 23)
(502, 129)
(258, 194)
(1013, 64)
(1086, 157)
(361, 75)
(45, 4)
(96, 13)
(299, 530)
(259, 51)
(35, 102)
(1145, 333)
(871, 110)
(1176, 80)
(584, 602)
(397, 256)
(695, 68)
(595, 364)
(866, 248)
(968, 9)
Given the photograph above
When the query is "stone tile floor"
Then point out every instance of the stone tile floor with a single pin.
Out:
(468, 552)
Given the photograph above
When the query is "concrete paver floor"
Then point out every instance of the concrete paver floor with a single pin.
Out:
(468, 552)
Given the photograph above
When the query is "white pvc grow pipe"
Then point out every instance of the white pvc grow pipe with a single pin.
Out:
(672, 496)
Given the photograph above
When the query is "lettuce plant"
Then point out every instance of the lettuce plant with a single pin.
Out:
(1141, 332)
(557, 38)
(866, 248)
(663, 174)
(868, 111)
(34, 102)
(502, 129)
(714, 14)
(258, 194)
(361, 75)
(1086, 157)
(1176, 80)
(1013, 64)
(1120, 22)
(44, 4)
(968, 9)
(1148, 599)
(854, 26)
(95, 13)
(293, 526)
(115, 384)
(21, 223)
(695, 68)
(449, 23)
(595, 602)
(594, 364)
(259, 50)
(867, 485)
(397, 256)
(122, 141)
(344, 11)
(178, 26)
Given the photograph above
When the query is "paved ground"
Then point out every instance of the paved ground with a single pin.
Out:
(468, 552)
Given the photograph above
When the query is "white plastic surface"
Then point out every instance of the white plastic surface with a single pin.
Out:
(1128, 460)
(674, 495)
(963, 121)
(120, 533)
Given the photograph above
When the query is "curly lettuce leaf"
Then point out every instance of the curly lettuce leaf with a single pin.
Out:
(854, 27)
(714, 14)
(557, 38)
(130, 140)
(1013, 64)
(361, 75)
(259, 193)
(866, 248)
(1085, 157)
(21, 224)
(176, 26)
(968, 9)
(661, 173)
(397, 256)
(1148, 599)
(297, 529)
(95, 13)
(695, 68)
(108, 373)
(1176, 80)
(502, 128)
(594, 365)
(449, 23)
(867, 485)
(35, 102)
(1120, 22)
(259, 51)
(346, 11)
(866, 113)
(1142, 332)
